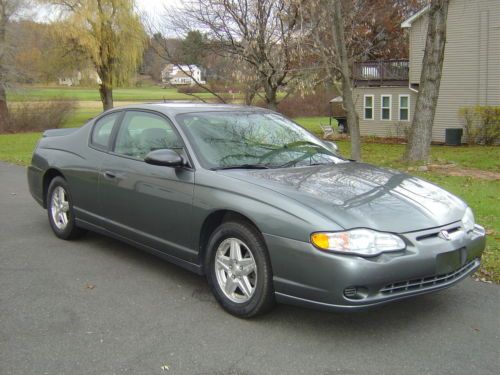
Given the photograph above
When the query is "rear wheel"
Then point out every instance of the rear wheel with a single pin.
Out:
(239, 271)
(60, 210)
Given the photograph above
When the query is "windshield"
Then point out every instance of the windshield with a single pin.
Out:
(252, 140)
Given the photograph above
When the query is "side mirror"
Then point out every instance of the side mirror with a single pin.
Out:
(331, 146)
(165, 157)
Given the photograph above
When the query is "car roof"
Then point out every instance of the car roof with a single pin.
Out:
(175, 108)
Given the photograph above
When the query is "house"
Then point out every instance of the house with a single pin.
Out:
(75, 79)
(385, 92)
(181, 74)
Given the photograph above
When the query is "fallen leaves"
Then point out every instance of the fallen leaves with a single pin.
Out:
(165, 367)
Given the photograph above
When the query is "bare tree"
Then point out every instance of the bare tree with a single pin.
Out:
(325, 21)
(342, 60)
(420, 136)
(340, 32)
(260, 33)
(8, 10)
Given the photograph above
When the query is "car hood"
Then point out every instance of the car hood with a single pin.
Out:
(361, 195)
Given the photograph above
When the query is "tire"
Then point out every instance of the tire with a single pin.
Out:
(240, 290)
(60, 210)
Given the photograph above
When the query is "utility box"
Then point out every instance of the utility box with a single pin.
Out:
(453, 136)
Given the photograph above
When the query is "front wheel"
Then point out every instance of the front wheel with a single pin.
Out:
(239, 271)
(60, 210)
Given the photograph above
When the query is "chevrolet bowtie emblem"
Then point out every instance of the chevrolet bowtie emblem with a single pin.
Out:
(444, 235)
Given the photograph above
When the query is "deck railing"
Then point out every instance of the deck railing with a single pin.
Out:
(384, 70)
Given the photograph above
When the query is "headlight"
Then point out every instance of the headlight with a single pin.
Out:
(364, 242)
(468, 220)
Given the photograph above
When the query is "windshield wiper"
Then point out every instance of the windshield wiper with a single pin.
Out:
(242, 166)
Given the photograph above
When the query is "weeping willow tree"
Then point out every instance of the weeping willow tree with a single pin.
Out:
(110, 33)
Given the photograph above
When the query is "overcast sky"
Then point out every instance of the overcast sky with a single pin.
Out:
(156, 7)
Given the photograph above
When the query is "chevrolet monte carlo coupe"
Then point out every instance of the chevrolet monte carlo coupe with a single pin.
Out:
(261, 207)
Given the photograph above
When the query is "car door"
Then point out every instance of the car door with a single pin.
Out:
(83, 175)
(147, 203)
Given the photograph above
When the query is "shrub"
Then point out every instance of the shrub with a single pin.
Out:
(314, 104)
(489, 117)
(400, 130)
(36, 116)
(481, 124)
(471, 130)
(221, 87)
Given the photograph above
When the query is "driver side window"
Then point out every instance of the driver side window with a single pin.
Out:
(143, 132)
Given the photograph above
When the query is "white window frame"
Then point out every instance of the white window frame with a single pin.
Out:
(382, 107)
(407, 108)
(365, 107)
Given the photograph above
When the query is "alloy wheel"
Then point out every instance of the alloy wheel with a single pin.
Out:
(59, 208)
(236, 270)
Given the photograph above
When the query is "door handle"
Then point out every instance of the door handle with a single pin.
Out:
(109, 174)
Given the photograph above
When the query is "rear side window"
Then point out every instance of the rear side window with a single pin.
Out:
(102, 130)
(142, 132)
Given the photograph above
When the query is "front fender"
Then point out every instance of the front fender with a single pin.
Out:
(272, 212)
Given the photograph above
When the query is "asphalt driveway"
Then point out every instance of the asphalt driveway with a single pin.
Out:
(98, 306)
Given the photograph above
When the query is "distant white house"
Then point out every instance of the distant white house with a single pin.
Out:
(76, 78)
(182, 74)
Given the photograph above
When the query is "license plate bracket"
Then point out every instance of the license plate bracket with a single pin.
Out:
(450, 261)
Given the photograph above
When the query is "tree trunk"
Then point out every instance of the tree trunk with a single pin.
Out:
(271, 97)
(4, 111)
(352, 118)
(420, 136)
(106, 96)
(250, 92)
(343, 64)
(249, 96)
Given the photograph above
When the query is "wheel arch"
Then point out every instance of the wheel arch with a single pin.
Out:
(48, 176)
(213, 221)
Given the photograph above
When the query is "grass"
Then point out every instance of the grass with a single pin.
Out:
(17, 148)
(389, 155)
(484, 198)
(313, 123)
(482, 195)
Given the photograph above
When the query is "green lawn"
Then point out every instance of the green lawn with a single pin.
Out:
(313, 123)
(482, 195)
(17, 148)
(92, 94)
(480, 157)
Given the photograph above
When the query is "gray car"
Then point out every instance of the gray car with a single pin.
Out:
(261, 207)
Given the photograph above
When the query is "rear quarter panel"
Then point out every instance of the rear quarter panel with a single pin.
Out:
(79, 164)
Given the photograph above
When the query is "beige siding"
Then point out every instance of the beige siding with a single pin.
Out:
(471, 68)
(418, 33)
(377, 126)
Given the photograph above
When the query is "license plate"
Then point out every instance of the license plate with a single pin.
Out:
(450, 261)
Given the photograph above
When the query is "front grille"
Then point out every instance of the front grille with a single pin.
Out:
(426, 282)
(436, 233)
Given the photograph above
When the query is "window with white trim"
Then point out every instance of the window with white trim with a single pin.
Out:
(404, 107)
(368, 107)
(385, 107)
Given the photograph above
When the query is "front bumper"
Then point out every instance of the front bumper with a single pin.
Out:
(306, 276)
